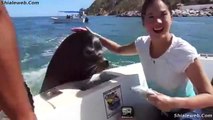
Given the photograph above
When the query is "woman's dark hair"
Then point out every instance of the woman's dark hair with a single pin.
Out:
(147, 3)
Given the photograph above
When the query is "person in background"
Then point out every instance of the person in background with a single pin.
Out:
(13, 96)
(171, 65)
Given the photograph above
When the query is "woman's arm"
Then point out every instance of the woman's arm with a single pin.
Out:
(204, 97)
(128, 49)
(14, 100)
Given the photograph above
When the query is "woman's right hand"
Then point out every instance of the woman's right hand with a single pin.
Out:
(89, 30)
(79, 29)
(82, 29)
(94, 33)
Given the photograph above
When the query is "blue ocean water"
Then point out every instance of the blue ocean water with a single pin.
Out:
(38, 38)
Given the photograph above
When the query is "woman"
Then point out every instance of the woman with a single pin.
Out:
(171, 65)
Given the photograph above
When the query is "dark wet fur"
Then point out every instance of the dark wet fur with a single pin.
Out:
(76, 59)
(30, 97)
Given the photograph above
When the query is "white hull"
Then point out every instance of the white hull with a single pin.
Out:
(91, 104)
(66, 103)
(70, 20)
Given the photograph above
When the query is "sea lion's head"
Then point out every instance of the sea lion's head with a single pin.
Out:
(93, 52)
(78, 57)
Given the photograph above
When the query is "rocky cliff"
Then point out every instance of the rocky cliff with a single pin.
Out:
(113, 7)
(119, 7)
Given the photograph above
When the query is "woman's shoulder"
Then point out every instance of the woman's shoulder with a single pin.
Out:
(143, 39)
(181, 54)
(181, 46)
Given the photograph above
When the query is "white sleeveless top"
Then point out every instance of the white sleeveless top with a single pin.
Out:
(166, 74)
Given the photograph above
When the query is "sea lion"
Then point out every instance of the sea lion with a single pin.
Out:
(78, 57)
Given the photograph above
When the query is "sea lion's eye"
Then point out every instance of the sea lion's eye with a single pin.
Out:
(97, 45)
(89, 51)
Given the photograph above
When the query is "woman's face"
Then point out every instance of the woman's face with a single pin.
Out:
(157, 19)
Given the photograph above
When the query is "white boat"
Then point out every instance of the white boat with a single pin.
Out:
(70, 16)
(104, 101)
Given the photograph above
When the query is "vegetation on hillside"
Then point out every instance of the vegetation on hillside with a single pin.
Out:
(114, 7)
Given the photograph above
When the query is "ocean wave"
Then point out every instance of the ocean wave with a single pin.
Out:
(47, 53)
(121, 63)
(26, 58)
(34, 79)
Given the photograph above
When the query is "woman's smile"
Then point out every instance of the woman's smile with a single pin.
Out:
(158, 29)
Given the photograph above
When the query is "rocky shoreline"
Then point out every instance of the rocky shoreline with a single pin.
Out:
(192, 13)
(185, 11)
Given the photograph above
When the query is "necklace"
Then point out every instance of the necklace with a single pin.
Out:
(151, 50)
(153, 61)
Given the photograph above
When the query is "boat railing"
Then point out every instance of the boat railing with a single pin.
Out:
(206, 55)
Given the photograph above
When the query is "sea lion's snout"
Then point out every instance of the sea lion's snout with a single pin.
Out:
(102, 65)
(105, 63)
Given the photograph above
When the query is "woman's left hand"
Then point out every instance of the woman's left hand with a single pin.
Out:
(161, 101)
